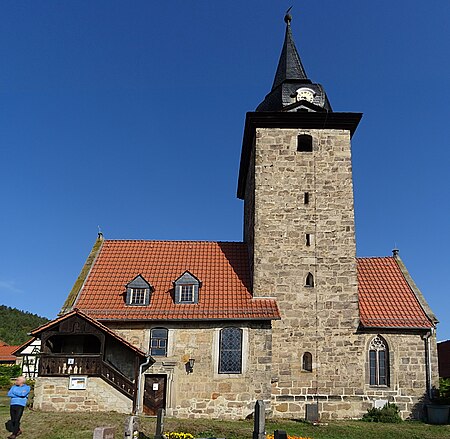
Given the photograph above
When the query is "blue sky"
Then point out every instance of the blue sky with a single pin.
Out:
(129, 115)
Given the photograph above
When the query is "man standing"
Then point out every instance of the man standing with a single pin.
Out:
(19, 395)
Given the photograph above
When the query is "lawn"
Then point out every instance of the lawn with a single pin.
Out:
(40, 425)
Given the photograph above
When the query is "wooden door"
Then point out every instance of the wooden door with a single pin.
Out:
(154, 394)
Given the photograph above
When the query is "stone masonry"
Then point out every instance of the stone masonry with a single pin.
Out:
(53, 394)
(322, 319)
(206, 393)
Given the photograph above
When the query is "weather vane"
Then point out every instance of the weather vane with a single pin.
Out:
(288, 16)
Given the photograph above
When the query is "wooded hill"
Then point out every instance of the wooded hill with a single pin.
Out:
(16, 324)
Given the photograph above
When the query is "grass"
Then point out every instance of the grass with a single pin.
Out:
(40, 425)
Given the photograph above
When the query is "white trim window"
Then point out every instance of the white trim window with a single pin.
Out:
(186, 293)
(138, 296)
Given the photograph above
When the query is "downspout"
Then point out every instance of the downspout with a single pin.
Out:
(426, 338)
(148, 361)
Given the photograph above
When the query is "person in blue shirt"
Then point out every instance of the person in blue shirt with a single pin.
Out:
(19, 396)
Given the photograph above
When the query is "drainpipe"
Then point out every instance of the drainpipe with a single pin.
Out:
(148, 361)
(426, 338)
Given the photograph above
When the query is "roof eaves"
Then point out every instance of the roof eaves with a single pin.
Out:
(20, 348)
(417, 293)
(36, 332)
(81, 280)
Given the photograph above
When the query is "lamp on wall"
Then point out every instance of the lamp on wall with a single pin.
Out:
(190, 365)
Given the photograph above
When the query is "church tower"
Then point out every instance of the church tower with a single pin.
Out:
(296, 182)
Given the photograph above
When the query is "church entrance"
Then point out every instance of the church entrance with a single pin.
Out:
(154, 394)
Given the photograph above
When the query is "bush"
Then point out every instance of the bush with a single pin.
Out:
(8, 372)
(443, 394)
(388, 414)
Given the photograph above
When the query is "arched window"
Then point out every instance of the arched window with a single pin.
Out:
(309, 280)
(158, 342)
(307, 362)
(230, 350)
(378, 362)
(304, 143)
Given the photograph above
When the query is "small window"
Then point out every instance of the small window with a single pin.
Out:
(138, 296)
(230, 350)
(308, 239)
(138, 292)
(307, 362)
(309, 280)
(304, 143)
(158, 342)
(186, 288)
(378, 362)
(186, 293)
(306, 198)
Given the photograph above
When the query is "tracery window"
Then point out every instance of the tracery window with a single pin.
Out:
(230, 350)
(378, 362)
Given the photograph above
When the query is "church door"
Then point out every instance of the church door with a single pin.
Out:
(154, 394)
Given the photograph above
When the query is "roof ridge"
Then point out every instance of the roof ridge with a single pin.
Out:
(374, 257)
(175, 241)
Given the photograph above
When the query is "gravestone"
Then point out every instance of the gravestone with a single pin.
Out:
(312, 412)
(280, 434)
(160, 424)
(104, 433)
(131, 427)
(259, 423)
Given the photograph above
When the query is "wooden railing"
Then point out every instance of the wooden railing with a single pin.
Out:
(64, 365)
(91, 365)
(112, 376)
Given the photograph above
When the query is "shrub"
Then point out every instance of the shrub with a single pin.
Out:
(388, 414)
(443, 394)
(8, 372)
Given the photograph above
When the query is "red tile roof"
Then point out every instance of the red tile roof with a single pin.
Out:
(6, 353)
(222, 267)
(385, 298)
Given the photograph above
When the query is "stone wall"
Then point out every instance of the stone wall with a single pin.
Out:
(322, 319)
(206, 393)
(53, 394)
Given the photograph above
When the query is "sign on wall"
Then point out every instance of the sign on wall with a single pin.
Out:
(77, 382)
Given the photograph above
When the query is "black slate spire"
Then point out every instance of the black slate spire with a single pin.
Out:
(291, 89)
(289, 66)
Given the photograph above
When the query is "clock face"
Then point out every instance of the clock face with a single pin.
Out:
(305, 94)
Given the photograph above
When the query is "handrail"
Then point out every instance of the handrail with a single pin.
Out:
(91, 365)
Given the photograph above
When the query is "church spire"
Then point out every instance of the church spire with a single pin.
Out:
(291, 89)
(289, 66)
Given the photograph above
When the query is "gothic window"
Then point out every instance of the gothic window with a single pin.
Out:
(138, 292)
(158, 342)
(378, 362)
(186, 288)
(230, 350)
(309, 280)
(307, 362)
(304, 143)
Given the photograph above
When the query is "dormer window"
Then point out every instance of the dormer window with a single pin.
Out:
(186, 293)
(186, 288)
(138, 296)
(138, 292)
